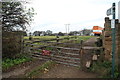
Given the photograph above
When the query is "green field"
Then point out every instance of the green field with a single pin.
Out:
(42, 38)
(51, 37)
(84, 38)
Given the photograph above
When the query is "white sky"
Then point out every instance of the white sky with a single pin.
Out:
(80, 14)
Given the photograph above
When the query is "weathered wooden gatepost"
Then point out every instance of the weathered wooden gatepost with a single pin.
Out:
(81, 55)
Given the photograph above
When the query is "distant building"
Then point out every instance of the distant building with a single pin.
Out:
(48, 33)
(42, 33)
(74, 33)
(86, 32)
(91, 34)
(39, 33)
(81, 33)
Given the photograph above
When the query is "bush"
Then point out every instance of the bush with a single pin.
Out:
(104, 69)
(7, 63)
(11, 44)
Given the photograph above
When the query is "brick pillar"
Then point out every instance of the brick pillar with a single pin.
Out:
(107, 39)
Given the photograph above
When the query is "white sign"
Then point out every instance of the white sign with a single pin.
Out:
(113, 23)
(97, 30)
(109, 12)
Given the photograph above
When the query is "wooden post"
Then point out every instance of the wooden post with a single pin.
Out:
(23, 46)
(1, 47)
(20, 36)
(68, 38)
(57, 40)
(81, 44)
(22, 42)
(75, 37)
(81, 51)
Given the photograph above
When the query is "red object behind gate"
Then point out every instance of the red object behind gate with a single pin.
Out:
(46, 52)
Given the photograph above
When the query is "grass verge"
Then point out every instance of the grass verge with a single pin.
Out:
(104, 69)
(8, 63)
(84, 38)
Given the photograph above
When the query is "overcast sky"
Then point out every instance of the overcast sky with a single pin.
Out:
(80, 14)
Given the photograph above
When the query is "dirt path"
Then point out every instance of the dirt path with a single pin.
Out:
(20, 70)
(90, 42)
(64, 71)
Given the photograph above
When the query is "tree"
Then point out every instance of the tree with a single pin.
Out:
(15, 17)
(60, 34)
(36, 33)
(87, 32)
(24, 33)
(73, 33)
(48, 32)
(39, 33)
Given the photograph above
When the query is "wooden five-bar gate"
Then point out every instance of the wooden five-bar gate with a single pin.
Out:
(65, 50)
(61, 50)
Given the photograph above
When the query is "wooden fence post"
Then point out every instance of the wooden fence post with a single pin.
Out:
(75, 37)
(81, 44)
(57, 40)
(23, 46)
(68, 38)
(81, 52)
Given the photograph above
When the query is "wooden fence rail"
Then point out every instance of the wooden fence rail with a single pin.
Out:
(58, 53)
(61, 52)
(35, 40)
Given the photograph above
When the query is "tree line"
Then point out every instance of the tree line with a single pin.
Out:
(85, 32)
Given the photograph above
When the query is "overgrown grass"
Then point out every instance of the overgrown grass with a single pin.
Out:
(104, 69)
(84, 38)
(44, 37)
(7, 63)
(42, 68)
(78, 39)
(51, 37)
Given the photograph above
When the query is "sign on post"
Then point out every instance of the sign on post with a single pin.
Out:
(113, 23)
(109, 12)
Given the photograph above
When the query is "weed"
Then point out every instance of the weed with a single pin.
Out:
(49, 48)
(84, 38)
(40, 69)
(7, 63)
(104, 69)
